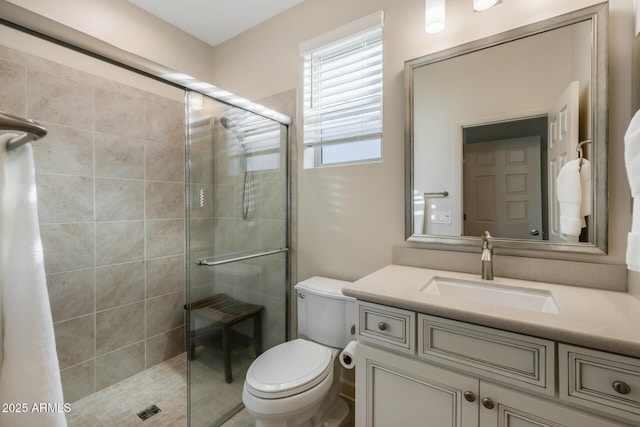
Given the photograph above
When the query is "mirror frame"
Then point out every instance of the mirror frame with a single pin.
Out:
(598, 15)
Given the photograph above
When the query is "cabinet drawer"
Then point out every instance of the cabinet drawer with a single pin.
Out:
(386, 326)
(608, 382)
(516, 359)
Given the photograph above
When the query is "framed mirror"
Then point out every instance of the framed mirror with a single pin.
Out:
(509, 134)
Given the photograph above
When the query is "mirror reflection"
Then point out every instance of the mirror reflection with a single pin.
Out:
(492, 127)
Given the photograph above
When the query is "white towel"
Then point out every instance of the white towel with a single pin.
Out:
(569, 193)
(632, 162)
(29, 373)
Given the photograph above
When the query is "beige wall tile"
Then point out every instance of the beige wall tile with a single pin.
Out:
(119, 327)
(273, 200)
(165, 123)
(65, 150)
(71, 294)
(200, 277)
(165, 313)
(273, 320)
(67, 246)
(54, 99)
(77, 381)
(201, 238)
(197, 293)
(164, 200)
(74, 340)
(164, 162)
(244, 275)
(118, 365)
(119, 199)
(273, 233)
(226, 168)
(13, 81)
(247, 235)
(119, 114)
(119, 156)
(224, 231)
(202, 170)
(165, 275)
(64, 198)
(119, 284)
(274, 275)
(22, 58)
(225, 205)
(164, 346)
(118, 242)
(165, 238)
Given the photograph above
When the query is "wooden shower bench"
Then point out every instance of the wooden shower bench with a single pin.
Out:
(223, 312)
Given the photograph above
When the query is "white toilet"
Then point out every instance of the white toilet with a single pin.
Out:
(297, 383)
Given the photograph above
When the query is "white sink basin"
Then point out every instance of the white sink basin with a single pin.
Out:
(493, 294)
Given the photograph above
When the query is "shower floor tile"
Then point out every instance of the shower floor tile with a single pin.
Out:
(165, 385)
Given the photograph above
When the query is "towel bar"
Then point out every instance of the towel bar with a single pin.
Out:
(32, 130)
(437, 194)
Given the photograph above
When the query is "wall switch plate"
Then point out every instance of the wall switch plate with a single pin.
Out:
(441, 217)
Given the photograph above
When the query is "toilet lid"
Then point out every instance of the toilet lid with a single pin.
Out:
(289, 368)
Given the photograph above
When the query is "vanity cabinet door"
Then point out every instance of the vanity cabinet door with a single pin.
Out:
(502, 407)
(394, 390)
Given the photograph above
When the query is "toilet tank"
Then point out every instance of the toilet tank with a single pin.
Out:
(324, 314)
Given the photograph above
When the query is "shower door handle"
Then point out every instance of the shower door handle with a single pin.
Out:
(240, 258)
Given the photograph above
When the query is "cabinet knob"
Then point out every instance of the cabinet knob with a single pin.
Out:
(469, 396)
(487, 403)
(382, 326)
(621, 387)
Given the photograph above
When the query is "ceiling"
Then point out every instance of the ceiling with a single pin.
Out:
(214, 21)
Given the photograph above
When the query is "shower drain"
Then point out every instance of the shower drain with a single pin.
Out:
(148, 413)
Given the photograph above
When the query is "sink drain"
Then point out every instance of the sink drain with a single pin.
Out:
(148, 413)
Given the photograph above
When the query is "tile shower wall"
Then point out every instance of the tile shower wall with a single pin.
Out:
(110, 182)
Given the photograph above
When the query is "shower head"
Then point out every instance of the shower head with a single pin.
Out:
(228, 123)
(232, 126)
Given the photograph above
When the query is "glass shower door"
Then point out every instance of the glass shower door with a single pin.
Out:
(237, 216)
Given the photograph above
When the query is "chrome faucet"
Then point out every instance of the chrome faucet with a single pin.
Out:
(487, 256)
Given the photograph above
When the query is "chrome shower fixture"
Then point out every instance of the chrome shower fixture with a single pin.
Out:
(232, 126)
(247, 187)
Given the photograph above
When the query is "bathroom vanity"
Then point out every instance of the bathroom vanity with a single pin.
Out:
(440, 348)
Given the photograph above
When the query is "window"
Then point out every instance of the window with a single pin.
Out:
(343, 95)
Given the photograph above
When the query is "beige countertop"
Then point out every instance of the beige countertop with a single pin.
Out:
(600, 319)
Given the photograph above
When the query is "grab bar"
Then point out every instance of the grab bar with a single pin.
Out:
(32, 130)
(240, 258)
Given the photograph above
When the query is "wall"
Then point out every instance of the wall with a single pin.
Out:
(110, 182)
(351, 217)
(130, 28)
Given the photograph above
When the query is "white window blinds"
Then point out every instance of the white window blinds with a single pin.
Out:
(343, 100)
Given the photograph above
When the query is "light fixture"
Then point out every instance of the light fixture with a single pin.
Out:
(434, 11)
(433, 16)
(479, 5)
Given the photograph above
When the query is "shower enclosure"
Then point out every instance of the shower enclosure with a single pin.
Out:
(237, 240)
(165, 226)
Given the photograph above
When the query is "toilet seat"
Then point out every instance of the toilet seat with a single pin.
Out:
(288, 369)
